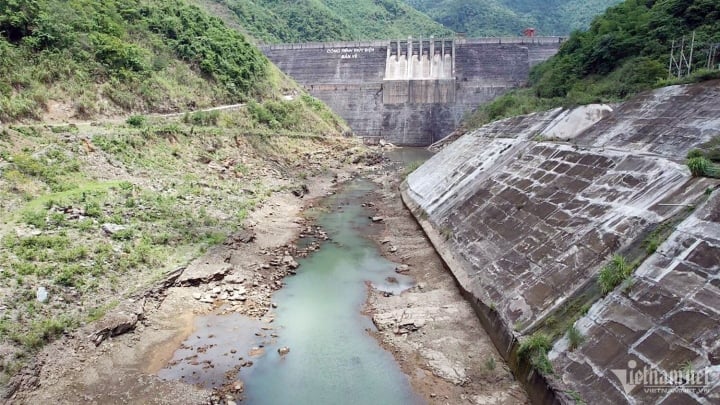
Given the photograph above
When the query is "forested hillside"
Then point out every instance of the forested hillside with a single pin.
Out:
(95, 57)
(273, 21)
(510, 17)
(625, 51)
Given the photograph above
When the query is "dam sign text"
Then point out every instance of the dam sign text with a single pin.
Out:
(349, 53)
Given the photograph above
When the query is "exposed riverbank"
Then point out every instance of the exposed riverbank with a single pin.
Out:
(122, 369)
(438, 343)
(431, 330)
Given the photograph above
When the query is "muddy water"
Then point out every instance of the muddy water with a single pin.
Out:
(332, 359)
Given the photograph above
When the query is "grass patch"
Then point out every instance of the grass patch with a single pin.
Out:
(614, 273)
(41, 332)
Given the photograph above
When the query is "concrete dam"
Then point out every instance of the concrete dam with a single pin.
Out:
(410, 92)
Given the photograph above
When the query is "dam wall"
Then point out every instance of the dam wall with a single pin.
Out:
(527, 212)
(410, 92)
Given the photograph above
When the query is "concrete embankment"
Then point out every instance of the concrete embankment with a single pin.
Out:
(527, 211)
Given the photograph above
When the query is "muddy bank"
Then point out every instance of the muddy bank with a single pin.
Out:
(431, 329)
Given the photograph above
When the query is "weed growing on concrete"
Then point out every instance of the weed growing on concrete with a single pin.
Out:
(446, 233)
(614, 273)
(700, 162)
(698, 166)
(575, 337)
(534, 349)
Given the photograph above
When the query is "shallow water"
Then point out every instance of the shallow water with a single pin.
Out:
(332, 359)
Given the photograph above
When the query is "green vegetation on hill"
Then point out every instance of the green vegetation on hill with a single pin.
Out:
(510, 17)
(624, 52)
(95, 213)
(115, 55)
(275, 21)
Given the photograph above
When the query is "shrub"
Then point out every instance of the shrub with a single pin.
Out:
(136, 121)
(202, 118)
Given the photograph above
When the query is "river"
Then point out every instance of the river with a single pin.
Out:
(332, 359)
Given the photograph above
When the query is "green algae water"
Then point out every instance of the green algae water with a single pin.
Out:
(332, 359)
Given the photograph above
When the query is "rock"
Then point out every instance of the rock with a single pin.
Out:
(444, 368)
(283, 350)
(113, 324)
(197, 295)
(238, 386)
(300, 191)
(112, 229)
(392, 249)
(290, 262)
(41, 294)
(377, 219)
(234, 278)
(203, 271)
(242, 237)
(403, 268)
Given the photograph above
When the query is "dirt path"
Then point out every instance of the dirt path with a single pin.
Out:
(431, 330)
(59, 116)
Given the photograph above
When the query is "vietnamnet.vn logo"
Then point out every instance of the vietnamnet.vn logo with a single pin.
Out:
(653, 380)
